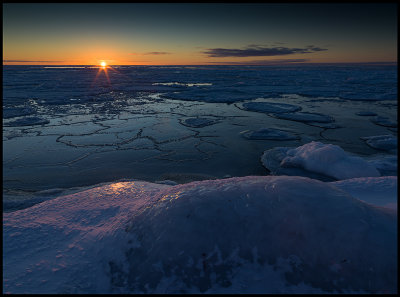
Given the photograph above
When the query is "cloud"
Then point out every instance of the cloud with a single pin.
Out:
(152, 53)
(157, 53)
(254, 51)
(30, 61)
(264, 62)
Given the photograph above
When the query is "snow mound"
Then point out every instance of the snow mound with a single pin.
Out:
(315, 157)
(382, 142)
(28, 121)
(384, 121)
(198, 122)
(386, 164)
(305, 117)
(270, 107)
(251, 234)
(379, 191)
(270, 134)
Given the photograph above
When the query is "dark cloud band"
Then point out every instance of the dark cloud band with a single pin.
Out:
(260, 51)
(264, 62)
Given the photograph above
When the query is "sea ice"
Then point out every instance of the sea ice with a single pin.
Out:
(270, 134)
(270, 107)
(305, 117)
(28, 121)
(385, 164)
(315, 157)
(198, 122)
(384, 121)
(366, 113)
(382, 142)
(12, 112)
(260, 234)
(379, 191)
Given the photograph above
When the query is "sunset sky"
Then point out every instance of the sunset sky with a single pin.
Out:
(198, 34)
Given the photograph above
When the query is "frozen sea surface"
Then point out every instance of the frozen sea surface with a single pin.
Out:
(67, 128)
(152, 181)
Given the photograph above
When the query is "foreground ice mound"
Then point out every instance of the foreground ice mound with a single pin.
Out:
(240, 235)
(382, 142)
(316, 158)
(270, 107)
(270, 134)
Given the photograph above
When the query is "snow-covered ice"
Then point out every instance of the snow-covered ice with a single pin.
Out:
(366, 113)
(198, 122)
(76, 218)
(270, 107)
(316, 157)
(28, 121)
(385, 164)
(378, 191)
(269, 133)
(271, 234)
(384, 121)
(385, 142)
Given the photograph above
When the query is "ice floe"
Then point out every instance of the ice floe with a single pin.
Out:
(366, 113)
(306, 117)
(382, 142)
(270, 234)
(385, 164)
(270, 107)
(12, 112)
(28, 121)
(327, 160)
(198, 122)
(270, 134)
(384, 121)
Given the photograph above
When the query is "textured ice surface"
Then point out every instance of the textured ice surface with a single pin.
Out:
(384, 121)
(382, 142)
(269, 133)
(270, 107)
(325, 159)
(305, 117)
(239, 235)
(198, 122)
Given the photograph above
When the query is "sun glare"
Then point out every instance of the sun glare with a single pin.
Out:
(103, 64)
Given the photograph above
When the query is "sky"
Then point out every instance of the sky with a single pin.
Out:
(198, 33)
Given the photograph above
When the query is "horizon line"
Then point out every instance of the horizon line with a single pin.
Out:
(213, 64)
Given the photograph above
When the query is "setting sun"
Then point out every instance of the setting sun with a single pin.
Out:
(103, 64)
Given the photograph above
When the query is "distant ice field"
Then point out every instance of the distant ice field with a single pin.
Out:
(70, 127)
